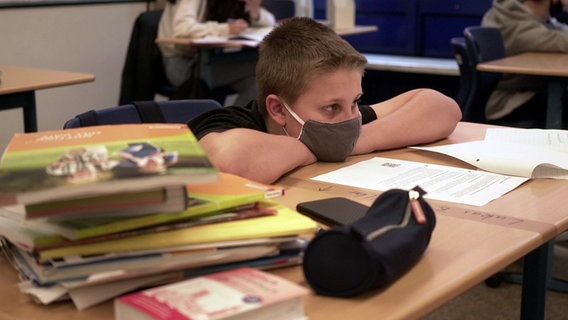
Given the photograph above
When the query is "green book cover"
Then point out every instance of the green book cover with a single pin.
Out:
(230, 191)
(286, 222)
(62, 164)
(226, 194)
(119, 204)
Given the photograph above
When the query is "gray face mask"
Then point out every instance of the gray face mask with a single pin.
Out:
(331, 142)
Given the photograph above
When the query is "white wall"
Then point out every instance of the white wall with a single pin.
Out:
(80, 38)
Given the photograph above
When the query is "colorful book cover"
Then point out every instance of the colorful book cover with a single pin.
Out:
(135, 265)
(286, 222)
(44, 243)
(246, 293)
(229, 192)
(217, 200)
(61, 164)
(119, 204)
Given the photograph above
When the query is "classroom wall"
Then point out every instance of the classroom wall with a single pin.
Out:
(81, 38)
(412, 27)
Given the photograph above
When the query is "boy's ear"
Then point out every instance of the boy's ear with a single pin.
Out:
(275, 109)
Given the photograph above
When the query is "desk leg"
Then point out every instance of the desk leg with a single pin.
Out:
(26, 101)
(555, 107)
(205, 66)
(536, 273)
(30, 116)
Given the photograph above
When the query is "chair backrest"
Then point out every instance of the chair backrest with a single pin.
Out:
(484, 44)
(143, 73)
(172, 111)
(281, 9)
(461, 54)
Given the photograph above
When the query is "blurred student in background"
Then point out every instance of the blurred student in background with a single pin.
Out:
(525, 26)
(201, 18)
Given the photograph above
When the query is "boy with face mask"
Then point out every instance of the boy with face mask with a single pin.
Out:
(309, 81)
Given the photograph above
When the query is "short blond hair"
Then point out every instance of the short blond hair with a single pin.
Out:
(296, 51)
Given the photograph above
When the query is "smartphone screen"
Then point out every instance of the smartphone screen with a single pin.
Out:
(336, 211)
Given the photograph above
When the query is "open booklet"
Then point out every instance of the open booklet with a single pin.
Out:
(251, 37)
(529, 153)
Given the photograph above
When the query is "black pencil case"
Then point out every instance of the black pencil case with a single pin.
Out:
(375, 250)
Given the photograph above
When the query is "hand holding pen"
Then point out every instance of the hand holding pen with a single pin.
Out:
(237, 26)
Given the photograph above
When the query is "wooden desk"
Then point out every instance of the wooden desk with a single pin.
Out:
(537, 203)
(407, 64)
(554, 66)
(18, 86)
(188, 41)
(205, 56)
(469, 244)
(356, 30)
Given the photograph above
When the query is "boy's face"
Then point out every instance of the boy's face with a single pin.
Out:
(331, 97)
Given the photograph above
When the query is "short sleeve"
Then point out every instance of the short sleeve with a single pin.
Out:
(367, 114)
(227, 118)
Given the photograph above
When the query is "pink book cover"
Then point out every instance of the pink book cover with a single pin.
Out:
(214, 296)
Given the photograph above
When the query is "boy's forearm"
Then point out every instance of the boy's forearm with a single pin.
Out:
(256, 155)
(420, 116)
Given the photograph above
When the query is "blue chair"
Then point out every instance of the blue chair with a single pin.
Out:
(172, 111)
(461, 54)
(486, 44)
(483, 44)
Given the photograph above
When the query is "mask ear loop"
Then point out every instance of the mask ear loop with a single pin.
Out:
(295, 116)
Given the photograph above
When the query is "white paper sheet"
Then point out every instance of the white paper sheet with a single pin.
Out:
(251, 37)
(551, 139)
(213, 40)
(530, 153)
(444, 183)
(89, 296)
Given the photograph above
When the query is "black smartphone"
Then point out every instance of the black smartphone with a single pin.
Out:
(336, 211)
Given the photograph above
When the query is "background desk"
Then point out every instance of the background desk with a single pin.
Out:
(205, 50)
(422, 65)
(342, 32)
(554, 66)
(469, 244)
(18, 86)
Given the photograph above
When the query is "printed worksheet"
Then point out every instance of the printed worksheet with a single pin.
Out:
(473, 187)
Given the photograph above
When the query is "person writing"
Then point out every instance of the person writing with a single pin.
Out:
(201, 18)
(309, 81)
(525, 26)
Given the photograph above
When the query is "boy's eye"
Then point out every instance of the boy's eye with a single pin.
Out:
(332, 108)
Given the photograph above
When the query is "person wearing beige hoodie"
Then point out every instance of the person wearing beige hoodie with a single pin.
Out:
(525, 26)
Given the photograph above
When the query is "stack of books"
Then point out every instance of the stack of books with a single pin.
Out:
(91, 213)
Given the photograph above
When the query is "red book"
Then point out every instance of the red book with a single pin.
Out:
(243, 293)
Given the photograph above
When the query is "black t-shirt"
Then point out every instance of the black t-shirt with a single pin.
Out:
(245, 117)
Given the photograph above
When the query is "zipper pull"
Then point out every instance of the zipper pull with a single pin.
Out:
(413, 197)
